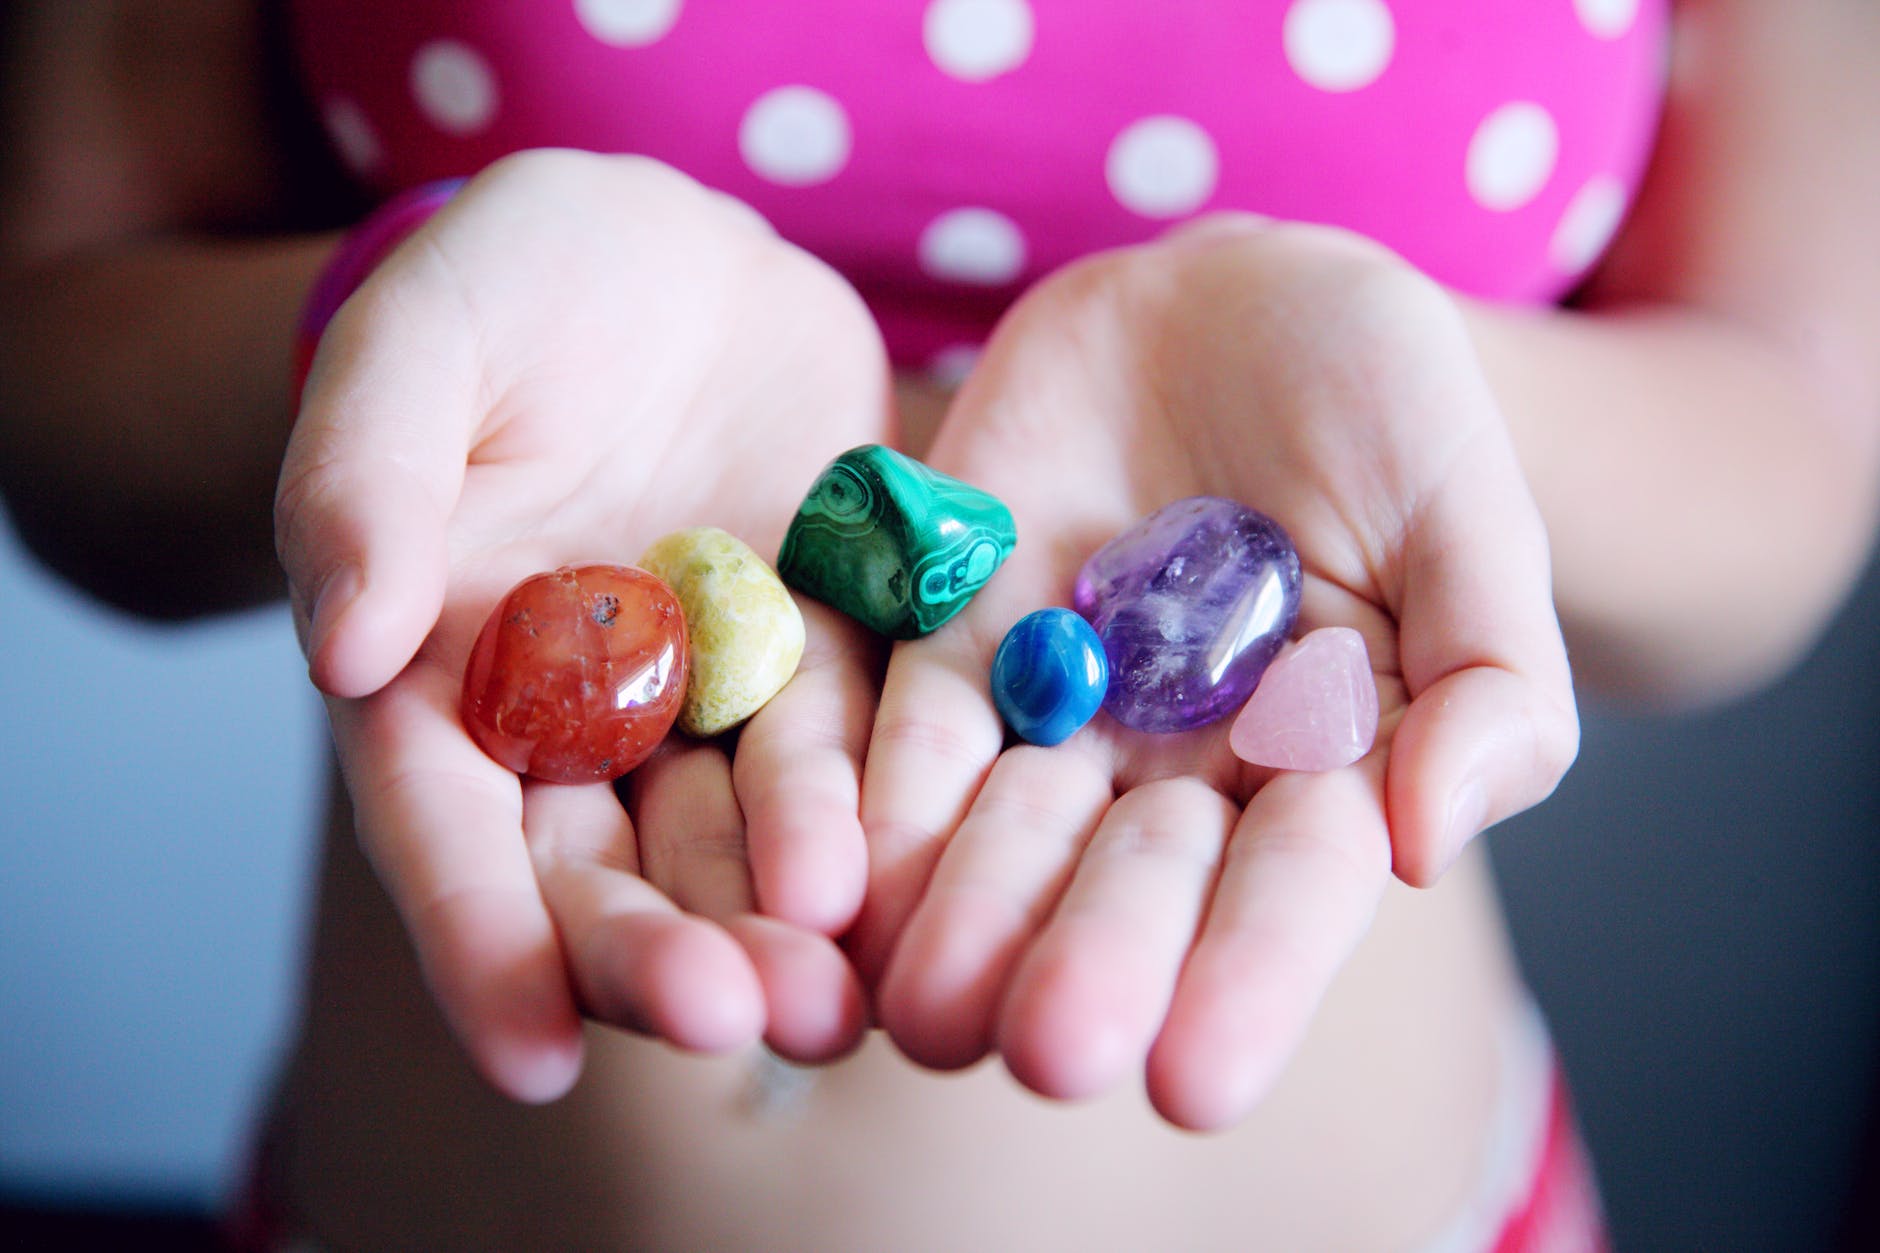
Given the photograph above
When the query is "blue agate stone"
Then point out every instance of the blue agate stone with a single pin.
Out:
(1191, 604)
(1049, 676)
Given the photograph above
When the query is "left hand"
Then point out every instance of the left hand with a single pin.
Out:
(1131, 900)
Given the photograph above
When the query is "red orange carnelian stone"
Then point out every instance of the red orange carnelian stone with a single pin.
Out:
(578, 674)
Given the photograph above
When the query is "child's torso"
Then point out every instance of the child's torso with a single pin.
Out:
(944, 153)
(1381, 1131)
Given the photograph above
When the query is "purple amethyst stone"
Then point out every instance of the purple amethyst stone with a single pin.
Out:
(1191, 604)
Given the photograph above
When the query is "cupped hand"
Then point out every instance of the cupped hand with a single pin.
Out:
(576, 356)
(1131, 901)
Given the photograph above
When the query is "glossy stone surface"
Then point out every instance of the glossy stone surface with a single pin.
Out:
(1191, 604)
(1049, 676)
(1315, 708)
(744, 632)
(897, 546)
(578, 674)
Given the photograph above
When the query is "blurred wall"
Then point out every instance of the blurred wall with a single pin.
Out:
(1698, 909)
(158, 793)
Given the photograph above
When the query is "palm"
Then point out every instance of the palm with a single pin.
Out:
(1130, 897)
(638, 360)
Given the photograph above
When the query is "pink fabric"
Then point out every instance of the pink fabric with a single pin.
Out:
(945, 153)
(1560, 1211)
(357, 257)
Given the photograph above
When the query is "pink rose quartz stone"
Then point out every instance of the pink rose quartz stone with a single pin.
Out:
(1315, 708)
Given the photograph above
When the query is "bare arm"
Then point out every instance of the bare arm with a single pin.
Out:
(146, 299)
(1704, 434)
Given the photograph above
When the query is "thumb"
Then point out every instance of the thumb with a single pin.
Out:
(370, 478)
(1492, 725)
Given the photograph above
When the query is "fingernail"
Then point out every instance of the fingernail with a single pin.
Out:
(1468, 812)
(341, 588)
(536, 1076)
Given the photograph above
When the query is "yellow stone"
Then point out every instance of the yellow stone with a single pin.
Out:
(745, 632)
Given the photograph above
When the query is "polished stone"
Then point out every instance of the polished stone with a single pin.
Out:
(1315, 708)
(1191, 604)
(578, 673)
(1049, 676)
(896, 545)
(745, 632)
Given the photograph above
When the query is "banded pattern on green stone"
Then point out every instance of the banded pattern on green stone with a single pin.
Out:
(895, 544)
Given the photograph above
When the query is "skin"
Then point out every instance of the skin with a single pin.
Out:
(401, 524)
(1133, 900)
(443, 450)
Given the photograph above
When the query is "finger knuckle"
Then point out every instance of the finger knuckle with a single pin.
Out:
(923, 736)
(304, 496)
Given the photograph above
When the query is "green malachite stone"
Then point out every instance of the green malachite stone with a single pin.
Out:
(895, 545)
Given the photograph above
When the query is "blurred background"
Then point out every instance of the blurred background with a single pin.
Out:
(1698, 909)
(158, 798)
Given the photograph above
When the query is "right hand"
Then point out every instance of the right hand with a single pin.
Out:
(574, 357)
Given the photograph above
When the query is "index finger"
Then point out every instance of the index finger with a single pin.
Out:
(442, 826)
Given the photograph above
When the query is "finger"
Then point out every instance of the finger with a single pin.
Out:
(935, 736)
(816, 1006)
(693, 846)
(637, 961)
(798, 774)
(1092, 992)
(371, 473)
(442, 825)
(936, 731)
(1300, 883)
(1491, 725)
(691, 830)
(992, 891)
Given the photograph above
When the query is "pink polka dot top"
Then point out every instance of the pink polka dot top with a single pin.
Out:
(944, 153)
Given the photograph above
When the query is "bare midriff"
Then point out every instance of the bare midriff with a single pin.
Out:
(383, 1138)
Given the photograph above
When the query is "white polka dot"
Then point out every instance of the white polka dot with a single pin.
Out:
(978, 39)
(1608, 19)
(628, 23)
(454, 87)
(1162, 167)
(976, 246)
(1588, 225)
(796, 136)
(353, 135)
(1512, 155)
(1339, 45)
(951, 366)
